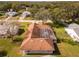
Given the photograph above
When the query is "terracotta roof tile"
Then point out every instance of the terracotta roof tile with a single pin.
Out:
(38, 38)
(38, 44)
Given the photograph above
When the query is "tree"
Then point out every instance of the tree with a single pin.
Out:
(17, 39)
(43, 14)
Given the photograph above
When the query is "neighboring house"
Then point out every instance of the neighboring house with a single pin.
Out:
(11, 13)
(73, 31)
(25, 14)
(39, 39)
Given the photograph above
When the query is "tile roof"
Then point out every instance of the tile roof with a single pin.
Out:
(40, 37)
(38, 44)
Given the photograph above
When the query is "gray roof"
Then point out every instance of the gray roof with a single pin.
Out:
(26, 13)
(11, 13)
(76, 31)
(73, 25)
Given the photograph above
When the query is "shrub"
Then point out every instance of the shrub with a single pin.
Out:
(3, 53)
(17, 39)
(69, 41)
(1, 14)
(21, 31)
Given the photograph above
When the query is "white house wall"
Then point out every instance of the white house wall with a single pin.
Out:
(72, 33)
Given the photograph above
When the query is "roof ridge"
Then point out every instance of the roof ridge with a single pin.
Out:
(29, 35)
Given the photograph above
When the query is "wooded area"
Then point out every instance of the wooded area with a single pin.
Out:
(64, 11)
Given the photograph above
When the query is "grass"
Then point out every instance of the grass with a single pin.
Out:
(61, 34)
(6, 44)
(24, 25)
(13, 49)
(68, 50)
(15, 18)
(18, 17)
(28, 18)
(65, 48)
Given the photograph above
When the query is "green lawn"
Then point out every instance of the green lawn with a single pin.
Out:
(24, 25)
(65, 49)
(28, 18)
(68, 49)
(12, 49)
(61, 34)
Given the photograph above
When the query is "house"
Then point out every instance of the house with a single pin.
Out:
(39, 39)
(73, 31)
(11, 13)
(25, 14)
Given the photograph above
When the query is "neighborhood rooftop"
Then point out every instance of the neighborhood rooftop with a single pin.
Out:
(73, 25)
(40, 38)
(73, 31)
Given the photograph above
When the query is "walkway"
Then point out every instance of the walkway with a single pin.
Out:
(31, 21)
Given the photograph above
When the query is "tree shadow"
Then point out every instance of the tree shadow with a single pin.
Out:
(21, 31)
(3, 53)
(56, 24)
(58, 40)
(56, 52)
